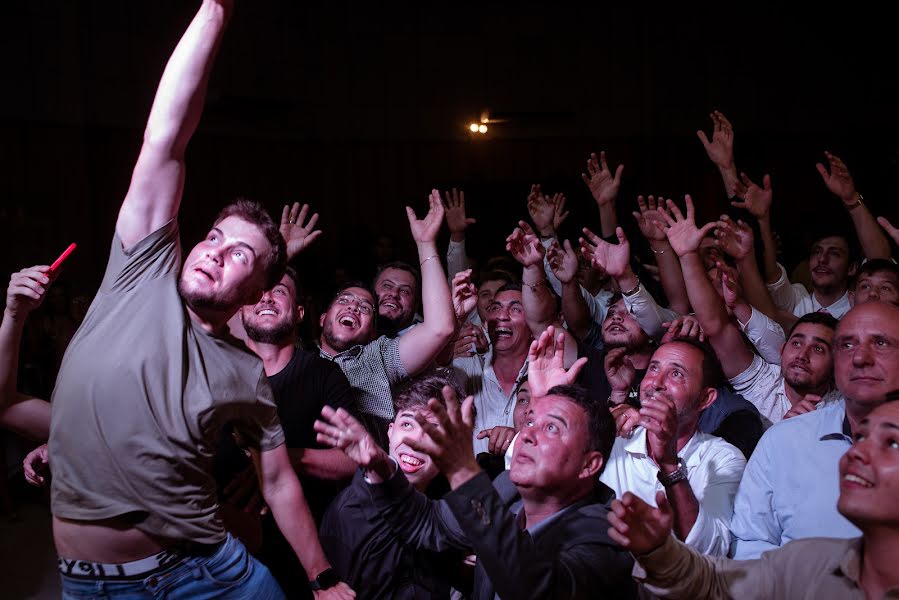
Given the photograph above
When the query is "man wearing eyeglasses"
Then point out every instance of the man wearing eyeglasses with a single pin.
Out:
(373, 366)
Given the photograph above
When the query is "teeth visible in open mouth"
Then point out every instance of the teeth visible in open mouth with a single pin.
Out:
(267, 311)
(502, 331)
(411, 460)
(347, 321)
(858, 480)
(390, 305)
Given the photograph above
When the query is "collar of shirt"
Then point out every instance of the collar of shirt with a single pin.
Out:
(830, 422)
(353, 352)
(837, 309)
(851, 564)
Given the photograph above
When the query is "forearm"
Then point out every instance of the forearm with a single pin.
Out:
(331, 464)
(575, 309)
(437, 305)
(870, 235)
(608, 219)
(707, 304)
(674, 570)
(730, 178)
(769, 251)
(28, 416)
(288, 504)
(671, 277)
(11, 329)
(456, 259)
(538, 303)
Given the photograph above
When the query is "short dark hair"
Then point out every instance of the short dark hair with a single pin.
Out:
(514, 286)
(876, 265)
(841, 231)
(712, 374)
(415, 393)
(253, 212)
(600, 424)
(294, 277)
(496, 275)
(400, 266)
(815, 318)
(364, 286)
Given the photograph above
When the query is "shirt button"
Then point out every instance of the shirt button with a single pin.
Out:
(152, 582)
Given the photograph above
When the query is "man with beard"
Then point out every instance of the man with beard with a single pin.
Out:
(374, 366)
(788, 491)
(698, 472)
(302, 384)
(397, 288)
(152, 376)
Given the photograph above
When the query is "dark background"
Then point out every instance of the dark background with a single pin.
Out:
(361, 108)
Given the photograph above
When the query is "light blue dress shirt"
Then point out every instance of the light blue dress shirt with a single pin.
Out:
(791, 484)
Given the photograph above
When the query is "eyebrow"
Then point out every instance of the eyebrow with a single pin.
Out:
(558, 418)
(238, 243)
(509, 303)
(388, 280)
(821, 340)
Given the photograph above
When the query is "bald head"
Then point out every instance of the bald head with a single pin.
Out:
(866, 353)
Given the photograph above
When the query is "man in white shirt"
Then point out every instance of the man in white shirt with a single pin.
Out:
(699, 473)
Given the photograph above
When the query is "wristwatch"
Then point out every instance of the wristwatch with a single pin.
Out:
(674, 477)
(326, 579)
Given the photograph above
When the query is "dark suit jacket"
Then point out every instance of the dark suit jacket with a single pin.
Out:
(567, 556)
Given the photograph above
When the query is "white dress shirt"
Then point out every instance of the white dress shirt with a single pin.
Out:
(795, 298)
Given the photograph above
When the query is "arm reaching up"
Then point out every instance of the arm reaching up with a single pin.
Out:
(457, 222)
(298, 234)
(604, 188)
(652, 226)
(425, 341)
(839, 181)
(721, 150)
(157, 182)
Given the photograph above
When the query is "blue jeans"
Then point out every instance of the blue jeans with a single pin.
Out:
(230, 572)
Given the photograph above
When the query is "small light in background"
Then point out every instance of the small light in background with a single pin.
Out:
(473, 127)
(482, 129)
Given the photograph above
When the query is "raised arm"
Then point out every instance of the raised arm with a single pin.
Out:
(457, 222)
(757, 200)
(652, 224)
(25, 293)
(563, 263)
(157, 182)
(839, 182)
(604, 188)
(425, 341)
(685, 238)
(721, 150)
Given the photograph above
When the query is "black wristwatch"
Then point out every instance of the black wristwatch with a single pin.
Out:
(674, 477)
(326, 579)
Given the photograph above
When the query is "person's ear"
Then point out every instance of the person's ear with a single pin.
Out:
(301, 312)
(853, 269)
(593, 462)
(321, 319)
(707, 397)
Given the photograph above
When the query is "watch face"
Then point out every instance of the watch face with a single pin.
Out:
(326, 579)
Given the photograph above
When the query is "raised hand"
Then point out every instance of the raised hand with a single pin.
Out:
(620, 371)
(685, 326)
(731, 292)
(298, 234)
(893, 232)
(546, 363)
(603, 185)
(659, 417)
(27, 289)
(562, 261)
(456, 221)
(757, 200)
(559, 212)
(542, 211)
(448, 442)
(525, 246)
(683, 235)
(500, 437)
(838, 180)
(425, 230)
(637, 526)
(721, 148)
(614, 259)
(734, 238)
(808, 403)
(651, 223)
(469, 340)
(36, 462)
(339, 429)
(465, 295)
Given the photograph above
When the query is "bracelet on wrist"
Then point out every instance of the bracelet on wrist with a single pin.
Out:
(422, 263)
(534, 286)
(856, 204)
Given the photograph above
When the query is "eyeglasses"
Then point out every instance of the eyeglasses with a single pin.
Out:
(365, 307)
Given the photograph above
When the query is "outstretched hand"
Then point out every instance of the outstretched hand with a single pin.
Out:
(562, 261)
(838, 180)
(614, 259)
(650, 221)
(298, 234)
(734, 238)
(454, 207)
(546, 363)
(546, 212)
(603, 185)
(525, 246)
(637, 526)
(893, 232)
(339, 429)
(721, 148)
(465, 295)
(757, 200)
(425, 230)
(683, 234)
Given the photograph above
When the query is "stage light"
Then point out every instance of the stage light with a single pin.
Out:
(482, 128)
(473, 127)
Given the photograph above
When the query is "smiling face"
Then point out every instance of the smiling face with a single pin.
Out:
(866, 353)
(869, 471)
(621, 330)
(417, 466)
(829, 264)
(552, 454)
(506, 325)
(397, 296)
(226, 270)
(274, 318)
(675, 373)
(806, 359)
(349, 320)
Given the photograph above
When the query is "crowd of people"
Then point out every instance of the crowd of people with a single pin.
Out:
(563, 421)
